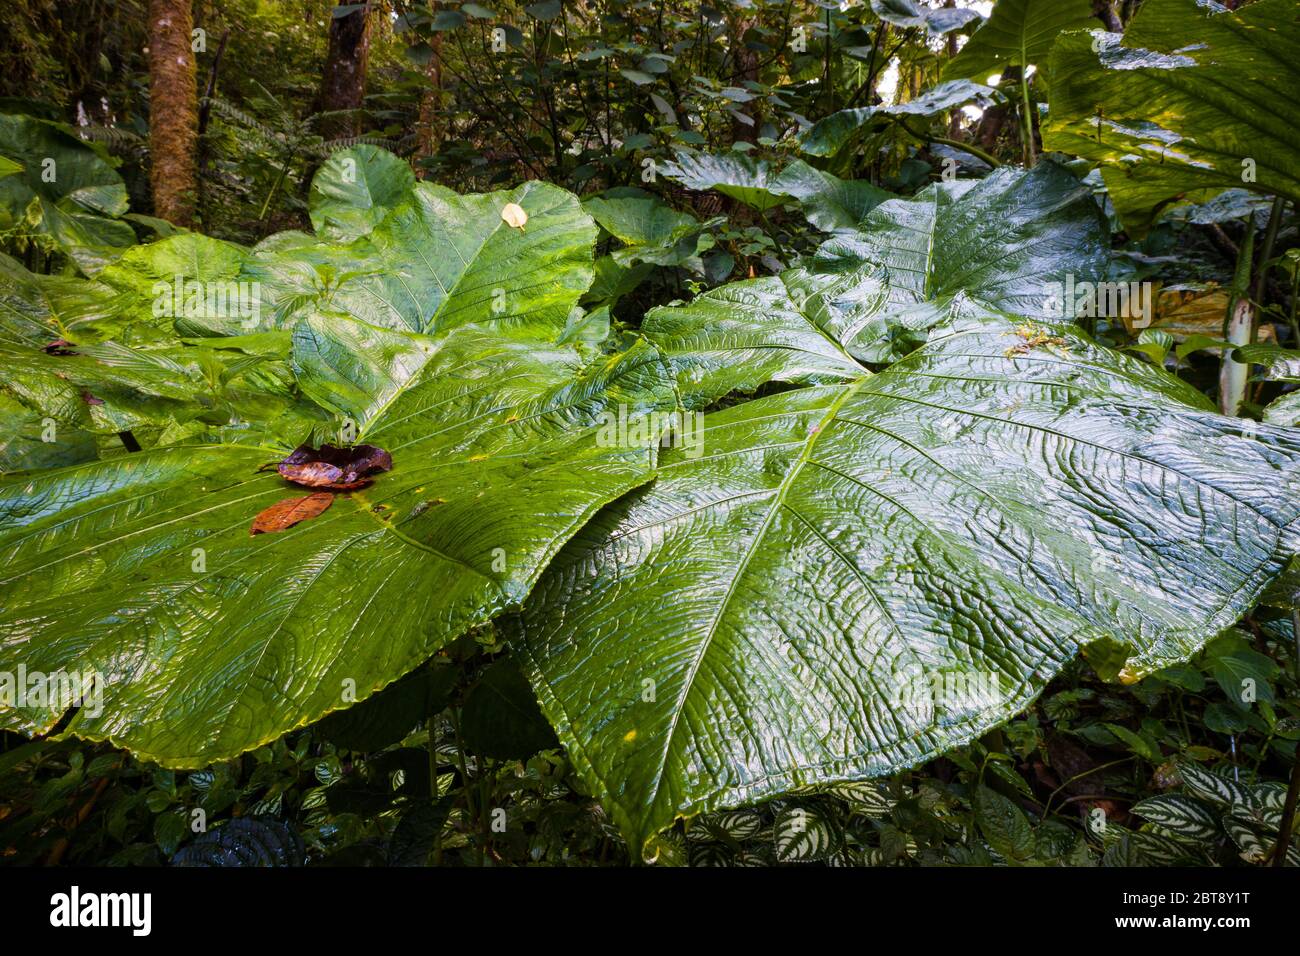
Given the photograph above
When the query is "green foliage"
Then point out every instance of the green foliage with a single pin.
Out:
(869, 557)
(1020, 33)
(845, 128)
(868, 518)
(65, 197)
(1174, 122)
(380, 358)
(434, 528)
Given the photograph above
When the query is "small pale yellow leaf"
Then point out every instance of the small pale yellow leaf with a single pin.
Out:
(514, 216)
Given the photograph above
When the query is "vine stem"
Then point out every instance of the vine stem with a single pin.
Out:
(266, 206)
(1295, 299)
(1270, 237)
(992, 161)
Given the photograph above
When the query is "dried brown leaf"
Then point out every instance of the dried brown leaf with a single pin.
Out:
(341, 469)
(289, 512)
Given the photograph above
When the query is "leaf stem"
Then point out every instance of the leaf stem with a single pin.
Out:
(1028, 116)
(975, 151)
(1266, 252)
(1295, 632)
(1288, 813)
(1047, 808)
(466, 786)
(1238, 327)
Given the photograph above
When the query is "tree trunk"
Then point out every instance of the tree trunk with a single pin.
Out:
(745, 68)
(426, 127)
(173, 111)
(994, 121)
(343, 84)
(954, 119)
(1104, 11)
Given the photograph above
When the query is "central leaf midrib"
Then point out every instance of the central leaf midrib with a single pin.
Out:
(774, 506)
(802, 312)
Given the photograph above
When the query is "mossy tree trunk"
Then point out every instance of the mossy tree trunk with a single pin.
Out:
(173, 111)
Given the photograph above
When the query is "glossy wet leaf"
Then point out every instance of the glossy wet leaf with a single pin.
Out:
(753, 182)
(439, 261)
(830, 203)
(1018, 33)
(873, 292)
(797, 327)
(1008, 241)
(1284, 410)
(211, 642)
(1192, 100)
(158, 391)
(31, 439)
(649, 229)
(844, 128)
(852, 579)
(355, 189)
(37, 309)
(909, 14)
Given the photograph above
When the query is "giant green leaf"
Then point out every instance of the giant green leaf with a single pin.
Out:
(188, 256)
(1018, 33)
(828, 136)
(847, 580)
(1008, 242)
(828, 201)
(908, 14)
(31, 439)
(80, 357)
(35, 310)
(355, 189)
(141, 569)
(797, 327)
(391, 253)
(649, 229)
(751, 181)
(1192, 100)
(1284, 410)
(65, 193)
(439, 260)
